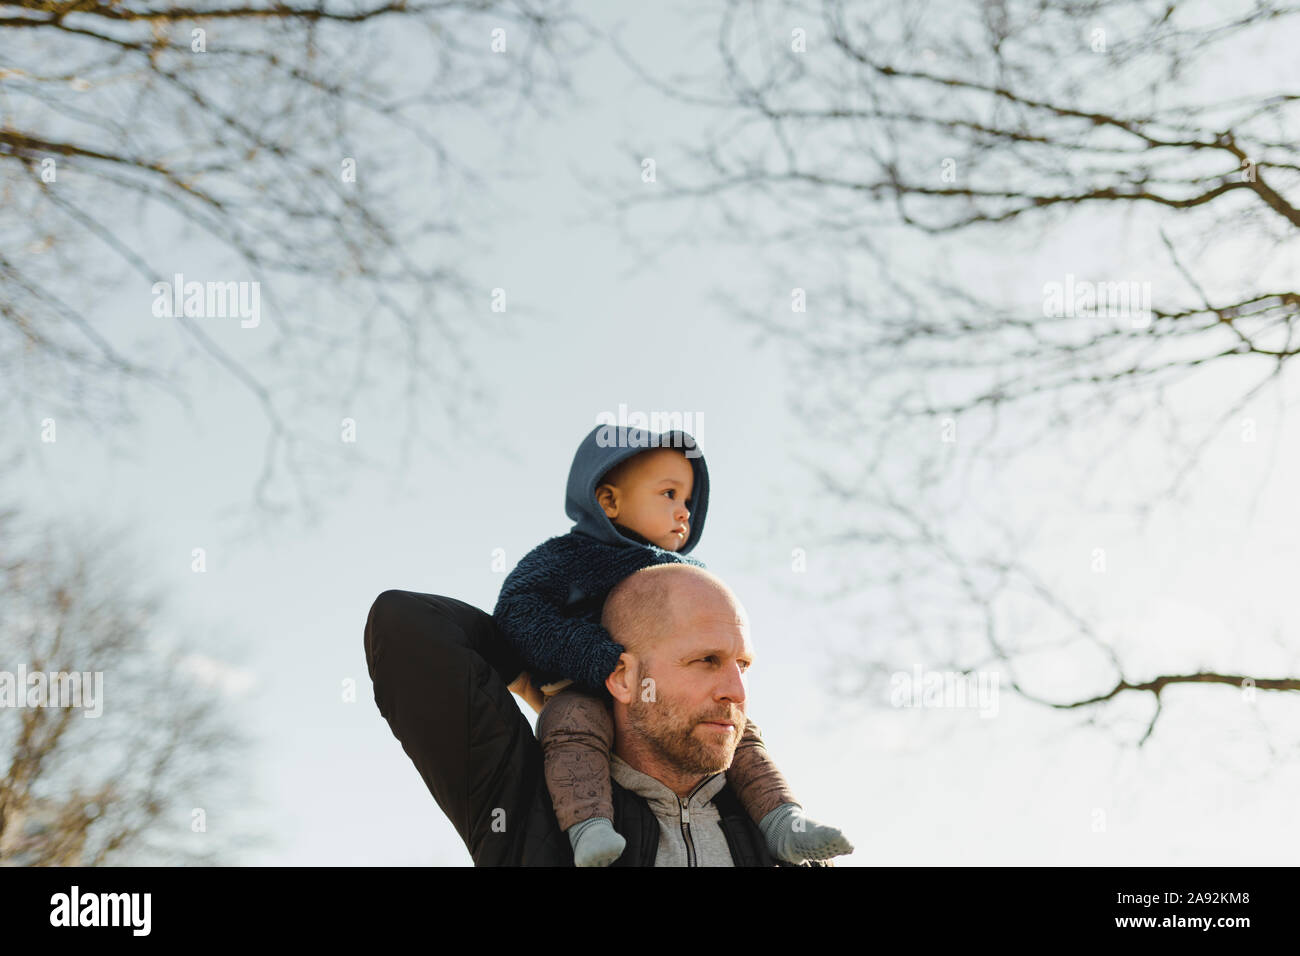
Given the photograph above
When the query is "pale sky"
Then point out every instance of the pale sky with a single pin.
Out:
(1205, 582)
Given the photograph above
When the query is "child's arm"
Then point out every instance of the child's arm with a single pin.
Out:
(536, 616)
(552, 644)
(530, 613)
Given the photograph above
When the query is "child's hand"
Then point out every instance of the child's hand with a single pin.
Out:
(523, 686)
(550, 690)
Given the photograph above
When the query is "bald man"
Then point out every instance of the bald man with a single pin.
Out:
(678, 699)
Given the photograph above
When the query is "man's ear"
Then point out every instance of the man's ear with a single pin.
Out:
(621, 683)
(607, 498)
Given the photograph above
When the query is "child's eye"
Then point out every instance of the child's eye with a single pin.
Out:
(670, 492)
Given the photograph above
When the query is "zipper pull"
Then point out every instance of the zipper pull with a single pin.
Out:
(686, 814)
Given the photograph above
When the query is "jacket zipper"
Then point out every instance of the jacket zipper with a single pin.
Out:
(686, 835)
(686, 822)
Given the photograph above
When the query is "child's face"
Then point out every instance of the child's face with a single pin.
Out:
(651, 495)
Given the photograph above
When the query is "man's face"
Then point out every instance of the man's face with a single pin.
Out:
(693, 713)
(652, 497)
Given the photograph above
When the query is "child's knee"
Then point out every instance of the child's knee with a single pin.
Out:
(574, 714)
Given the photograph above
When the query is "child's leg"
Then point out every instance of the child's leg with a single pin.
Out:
(576, 731)
(755, 778)
(767, 798)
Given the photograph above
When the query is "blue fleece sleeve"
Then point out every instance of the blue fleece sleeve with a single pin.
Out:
(535, 614)
(555, 645)
(530, 612)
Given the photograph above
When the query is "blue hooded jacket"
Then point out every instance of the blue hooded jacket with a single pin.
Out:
(550, 604)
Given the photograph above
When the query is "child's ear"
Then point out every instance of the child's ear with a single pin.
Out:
(608, 500)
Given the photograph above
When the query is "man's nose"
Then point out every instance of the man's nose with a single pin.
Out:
(732, 685)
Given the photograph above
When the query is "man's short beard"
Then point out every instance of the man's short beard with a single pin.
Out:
(670, 732)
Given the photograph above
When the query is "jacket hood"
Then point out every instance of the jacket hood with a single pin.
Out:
(608, 445)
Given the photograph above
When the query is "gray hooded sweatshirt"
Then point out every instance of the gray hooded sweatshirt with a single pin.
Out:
(689, 831)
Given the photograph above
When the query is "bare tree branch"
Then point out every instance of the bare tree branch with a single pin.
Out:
(285, 135)
(877, 157)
